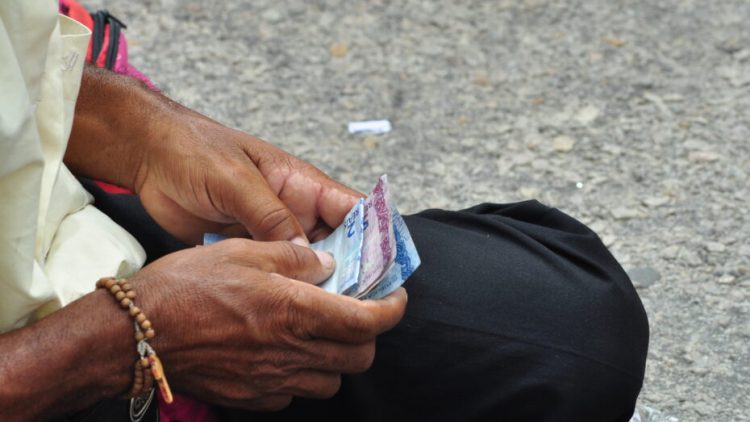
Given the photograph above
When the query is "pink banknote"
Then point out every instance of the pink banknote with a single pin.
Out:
(379, 244)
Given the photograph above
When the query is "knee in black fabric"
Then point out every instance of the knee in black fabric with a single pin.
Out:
(536, 260)
(533, 300)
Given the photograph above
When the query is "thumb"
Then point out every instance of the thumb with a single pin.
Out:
(257, 207)
(282, 258)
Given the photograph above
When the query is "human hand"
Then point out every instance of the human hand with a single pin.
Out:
(239, 324)
(200, 176)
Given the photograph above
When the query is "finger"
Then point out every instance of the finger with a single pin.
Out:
(257, 207)
(313, 384)
(337, 357)
(335, 201)
(310, 194)
(300, 194)
(322, 314)
(181, 224)
(269, 403)
(283, 258)
(307, 191)
(235, 392)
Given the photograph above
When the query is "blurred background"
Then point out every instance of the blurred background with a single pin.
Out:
(632, 116)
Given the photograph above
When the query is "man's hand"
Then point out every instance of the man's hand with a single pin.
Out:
(193, 174)
(237, 323)
(240, 324)
(203, 177)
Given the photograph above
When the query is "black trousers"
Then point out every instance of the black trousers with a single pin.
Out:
(517, 313)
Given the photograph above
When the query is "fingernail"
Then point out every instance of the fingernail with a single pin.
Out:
(301, 241)
(326, 259)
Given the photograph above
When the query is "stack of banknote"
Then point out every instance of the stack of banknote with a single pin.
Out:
(373, 249)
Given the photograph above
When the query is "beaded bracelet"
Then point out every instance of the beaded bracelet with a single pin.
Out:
(149, 367)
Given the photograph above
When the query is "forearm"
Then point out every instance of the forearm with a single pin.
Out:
(115, 119)
(67, 361)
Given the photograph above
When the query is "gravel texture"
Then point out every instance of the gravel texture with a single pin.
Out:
(633, 116)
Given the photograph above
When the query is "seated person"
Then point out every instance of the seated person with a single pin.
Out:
(518, 312)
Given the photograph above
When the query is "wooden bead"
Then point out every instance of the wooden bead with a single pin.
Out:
(147, 370)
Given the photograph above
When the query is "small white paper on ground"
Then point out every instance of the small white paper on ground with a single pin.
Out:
(370, 126)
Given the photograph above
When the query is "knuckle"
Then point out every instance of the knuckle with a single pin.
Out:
(229, 393)
(273, 218)
(271, 381)
(235, 168)
(294, 322)
(235, 394)
(236, 246)
(292, 257)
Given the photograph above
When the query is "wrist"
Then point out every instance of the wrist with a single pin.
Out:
(67, 361)
(114, 122)
(158, 138)
(157, 306)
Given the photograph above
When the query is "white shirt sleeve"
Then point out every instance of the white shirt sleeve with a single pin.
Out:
(53, 244)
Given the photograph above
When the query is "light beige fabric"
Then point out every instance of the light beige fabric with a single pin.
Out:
(54, 245)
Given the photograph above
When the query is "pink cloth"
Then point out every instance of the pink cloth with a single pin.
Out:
(184, 409)
(123, 67)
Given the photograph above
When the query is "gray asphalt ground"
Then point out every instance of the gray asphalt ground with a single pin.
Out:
(633, 116)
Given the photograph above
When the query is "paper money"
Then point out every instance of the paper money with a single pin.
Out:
(345, 244)
(373, 249)
(211, 238)
(379, 245)
(406, 262)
